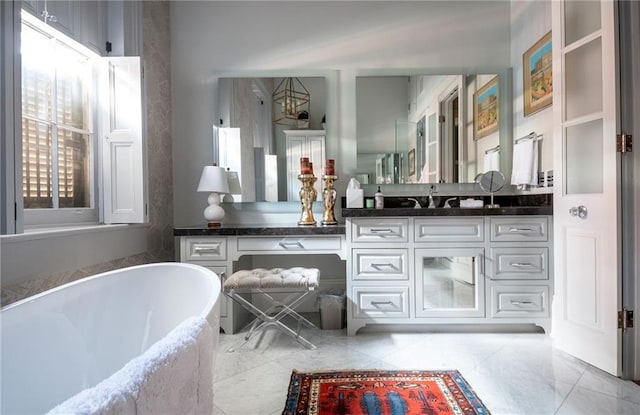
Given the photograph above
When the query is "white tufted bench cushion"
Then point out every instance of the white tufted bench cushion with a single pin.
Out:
(296, 277)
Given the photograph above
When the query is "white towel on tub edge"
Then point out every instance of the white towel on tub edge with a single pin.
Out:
(175, 375)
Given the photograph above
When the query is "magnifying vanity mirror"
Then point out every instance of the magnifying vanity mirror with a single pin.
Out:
(491, 182)
(428, 128)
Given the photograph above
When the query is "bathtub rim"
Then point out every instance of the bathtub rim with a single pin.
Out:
(208, 310)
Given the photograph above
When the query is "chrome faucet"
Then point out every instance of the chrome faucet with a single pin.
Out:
(432, 190)
(417, 204)
(447, 204)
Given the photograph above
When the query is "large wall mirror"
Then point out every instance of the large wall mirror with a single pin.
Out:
(266, 153)
(408, 129)
(429, 128)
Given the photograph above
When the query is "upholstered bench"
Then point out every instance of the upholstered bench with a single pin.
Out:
(297, 282)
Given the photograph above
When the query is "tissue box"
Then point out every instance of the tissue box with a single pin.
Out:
(471, 203)
(355, 198)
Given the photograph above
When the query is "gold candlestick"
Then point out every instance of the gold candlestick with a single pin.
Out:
(329, 197)
(307, 195)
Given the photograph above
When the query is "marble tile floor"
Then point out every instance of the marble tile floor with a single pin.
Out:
(512, 373)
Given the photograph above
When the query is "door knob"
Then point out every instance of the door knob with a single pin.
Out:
(579, 211)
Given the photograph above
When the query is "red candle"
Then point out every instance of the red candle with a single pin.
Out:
(305, 165)
(329, 169)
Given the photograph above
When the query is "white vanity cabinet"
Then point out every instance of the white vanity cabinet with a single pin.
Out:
(211, 252)
(448, 270)
(379, 272)
(221, 253)
(519, 284)
(449, 266)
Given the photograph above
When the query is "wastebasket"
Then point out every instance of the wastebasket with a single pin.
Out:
(332, 310)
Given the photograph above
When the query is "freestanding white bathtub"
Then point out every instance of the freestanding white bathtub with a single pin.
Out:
(136, 339)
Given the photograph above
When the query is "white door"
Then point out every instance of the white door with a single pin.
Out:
(586, 207)
(432, 149)
(451, 104)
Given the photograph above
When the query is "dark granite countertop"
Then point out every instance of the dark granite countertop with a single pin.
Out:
(454, 211)
(535, 204)
(262, 229)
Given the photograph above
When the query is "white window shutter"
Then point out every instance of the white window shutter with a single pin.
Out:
(123, 180)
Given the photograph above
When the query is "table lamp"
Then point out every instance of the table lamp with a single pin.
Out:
(213, 180)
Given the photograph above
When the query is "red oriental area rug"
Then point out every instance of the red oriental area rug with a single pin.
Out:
(381, 392)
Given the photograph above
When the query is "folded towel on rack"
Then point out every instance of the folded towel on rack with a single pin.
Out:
(525, 162)
(492, 160)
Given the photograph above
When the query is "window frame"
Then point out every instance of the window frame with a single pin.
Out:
(34, 218)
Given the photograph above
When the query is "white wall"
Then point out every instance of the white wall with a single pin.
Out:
(338, 40)
(530, 21)
(25, 256)
(381, 100)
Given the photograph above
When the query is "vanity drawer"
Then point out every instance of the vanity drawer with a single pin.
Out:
(443, 229)
(514, 263)
(379, 230)
(289, 244)
(380, 265)
(392, 302)
(204, 249)
(519, 301)
(530, 229)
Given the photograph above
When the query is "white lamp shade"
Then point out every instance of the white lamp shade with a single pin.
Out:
(213, 179)
(234, 182)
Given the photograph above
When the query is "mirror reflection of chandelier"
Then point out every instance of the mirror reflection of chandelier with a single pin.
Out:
(292, 102)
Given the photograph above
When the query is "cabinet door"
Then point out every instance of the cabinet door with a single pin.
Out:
(83, 21)
(450, 282)
(32, 6)
(94, 25)
(63, 17)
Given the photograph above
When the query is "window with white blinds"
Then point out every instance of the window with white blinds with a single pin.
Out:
(56, 122)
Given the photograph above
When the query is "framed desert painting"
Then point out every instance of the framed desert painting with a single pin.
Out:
(486, 104)
(538, 79)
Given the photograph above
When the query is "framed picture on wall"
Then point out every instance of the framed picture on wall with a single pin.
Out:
(412, 162)
(537, 73)
(486, 114)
